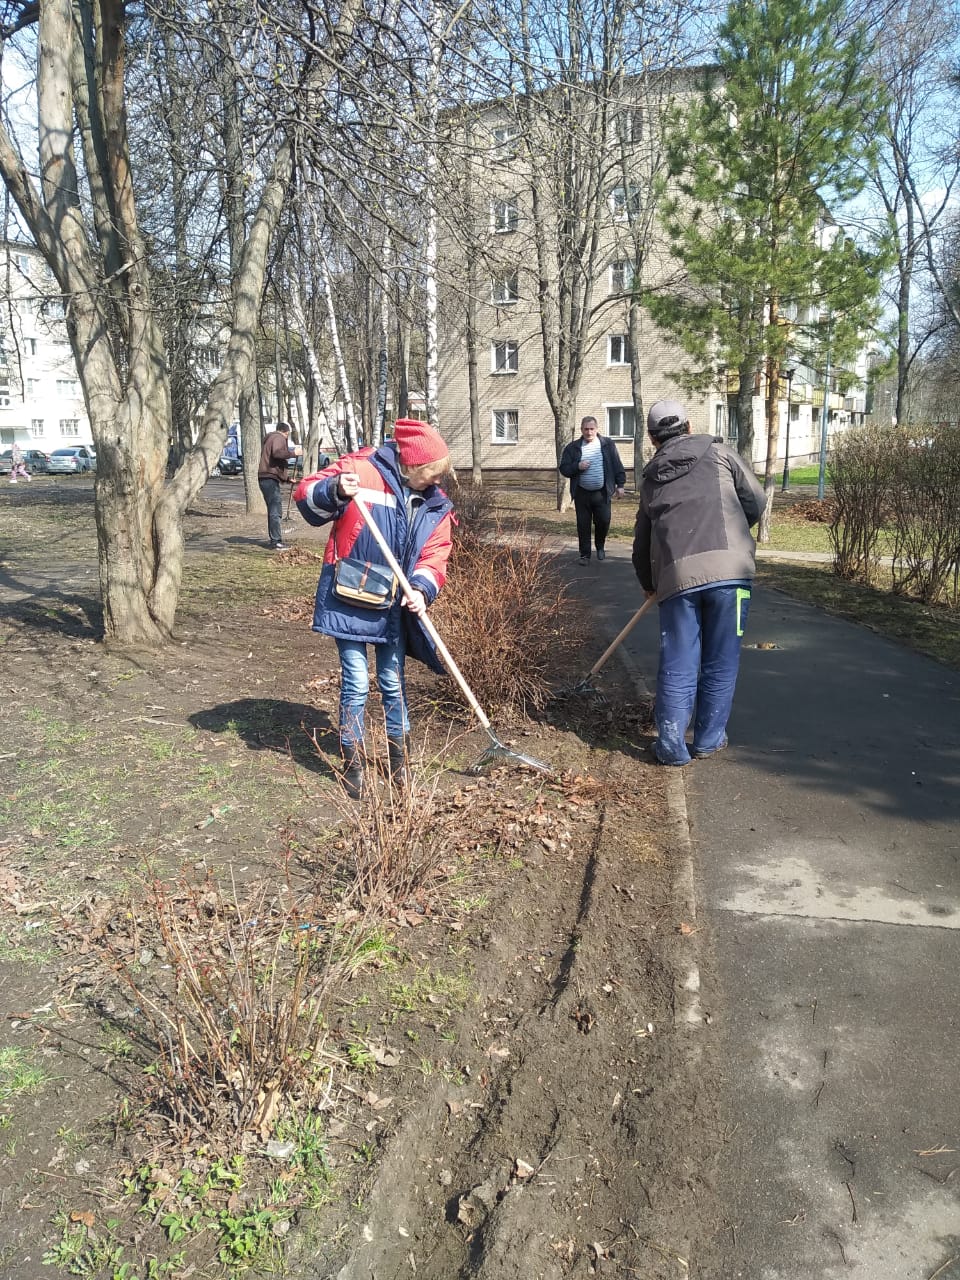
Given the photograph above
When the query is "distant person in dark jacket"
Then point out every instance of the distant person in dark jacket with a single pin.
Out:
(693, 549)
(596, 474)
(271, 474)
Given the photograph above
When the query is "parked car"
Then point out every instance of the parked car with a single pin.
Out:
(69, 461)
(228, 466)
(37, 461)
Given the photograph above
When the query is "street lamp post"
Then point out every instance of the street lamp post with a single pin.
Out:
(824, 425)
(788, 374)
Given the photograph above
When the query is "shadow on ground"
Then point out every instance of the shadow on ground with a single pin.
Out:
(295, 729)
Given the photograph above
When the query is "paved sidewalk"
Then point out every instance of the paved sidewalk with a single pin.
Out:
(826, 847)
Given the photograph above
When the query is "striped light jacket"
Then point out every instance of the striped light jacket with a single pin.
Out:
(421, 545)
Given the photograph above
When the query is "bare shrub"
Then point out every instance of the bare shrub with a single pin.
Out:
(861, 466)
(924, 501)
(238, 1032)
(475, 509)
(505, 616)
(396, 840)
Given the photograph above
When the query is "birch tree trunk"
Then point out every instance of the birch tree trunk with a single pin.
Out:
(383, 333)
(430, 255)
(325, 406)
(341, 365)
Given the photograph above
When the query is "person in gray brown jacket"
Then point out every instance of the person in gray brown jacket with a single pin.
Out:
(693, 549)
(271, 474)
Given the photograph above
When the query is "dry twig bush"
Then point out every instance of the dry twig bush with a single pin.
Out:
(860, 470)
(238, 1033)
(395, 842)
(506, 619)
(475, 508)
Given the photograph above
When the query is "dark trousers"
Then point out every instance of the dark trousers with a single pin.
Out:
(270, 489)
(700, 634)
(593, 511)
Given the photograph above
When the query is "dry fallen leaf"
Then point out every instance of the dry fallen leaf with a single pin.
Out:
(84, 1216)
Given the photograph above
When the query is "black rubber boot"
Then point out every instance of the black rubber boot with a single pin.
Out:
(352, 775)
(399, 752)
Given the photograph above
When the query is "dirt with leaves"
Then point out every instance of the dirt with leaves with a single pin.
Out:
(250, 1027)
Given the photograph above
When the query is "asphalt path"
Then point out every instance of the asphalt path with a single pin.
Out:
(826, 859)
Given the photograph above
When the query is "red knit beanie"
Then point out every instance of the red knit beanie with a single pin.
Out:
(418, 443)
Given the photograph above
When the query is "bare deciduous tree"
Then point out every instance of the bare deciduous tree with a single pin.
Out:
(82, 215)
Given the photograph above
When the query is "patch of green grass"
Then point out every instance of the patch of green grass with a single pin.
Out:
(798, 535)
(930, 629)
(313, 1174)
(57, 733)
(478, 902)
(373, 950)
(31, 947)
(160, 748)
(117, 1046)
(360, 1057)
(433, 987)
(809, 474)
(19, 1075)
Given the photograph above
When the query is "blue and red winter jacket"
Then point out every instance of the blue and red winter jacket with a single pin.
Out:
(421, 545)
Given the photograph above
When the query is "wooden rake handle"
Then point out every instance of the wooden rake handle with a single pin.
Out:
(431, 630)
(619, 639)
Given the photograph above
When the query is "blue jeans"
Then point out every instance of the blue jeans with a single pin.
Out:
(355, 685)
(700, 634)
(270, 488)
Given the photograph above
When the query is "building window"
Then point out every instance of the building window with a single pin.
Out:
(23, 263)
(36, 427)
(30, 346)
(504, 141)
(70, 428)
(621, 276)
(506, 426)
(504, 215)
(67, 388)
(207, 358)
(625, 202)
(506, 289)
(618, 348)
(627, 125)
(4, 391)
(794, 413)
(620, 421)
(504, 357)
(32, 387)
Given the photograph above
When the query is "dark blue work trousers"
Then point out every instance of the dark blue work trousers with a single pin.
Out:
(700, 634)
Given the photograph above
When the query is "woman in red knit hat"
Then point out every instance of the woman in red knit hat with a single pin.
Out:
(397, 482)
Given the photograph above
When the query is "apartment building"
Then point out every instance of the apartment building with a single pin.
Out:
(507, 278)
(493, 280)
(41, 401)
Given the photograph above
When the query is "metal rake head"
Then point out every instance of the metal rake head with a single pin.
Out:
(497, 753)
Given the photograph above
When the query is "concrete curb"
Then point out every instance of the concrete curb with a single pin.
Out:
(687, 1009)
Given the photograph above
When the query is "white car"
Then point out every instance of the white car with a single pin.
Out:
(76, 458)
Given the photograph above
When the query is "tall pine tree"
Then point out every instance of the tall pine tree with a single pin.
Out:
(757, 161)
